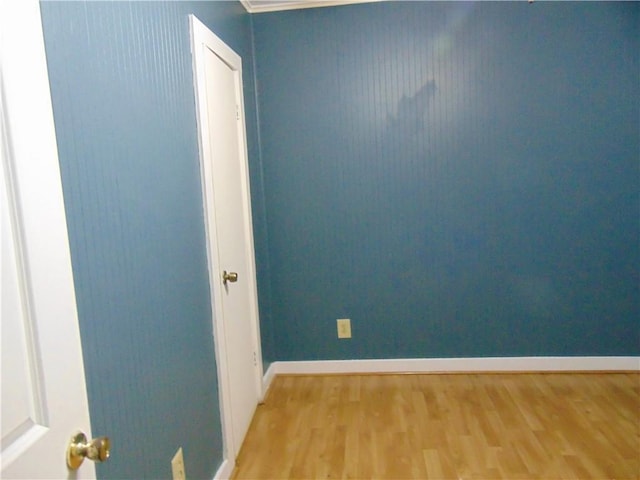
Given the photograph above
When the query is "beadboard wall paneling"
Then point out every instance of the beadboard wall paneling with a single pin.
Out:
(459, 179)
(122, 91)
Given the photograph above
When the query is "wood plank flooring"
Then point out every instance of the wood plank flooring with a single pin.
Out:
(458, 426)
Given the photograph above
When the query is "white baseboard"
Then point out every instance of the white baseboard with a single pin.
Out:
(452, 365)
(225, 471)
(268, 378)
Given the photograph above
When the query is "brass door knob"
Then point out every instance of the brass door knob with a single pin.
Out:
(229, 277)
(97, 450)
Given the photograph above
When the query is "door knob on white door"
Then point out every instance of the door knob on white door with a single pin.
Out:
(229, 277)
(97, 450)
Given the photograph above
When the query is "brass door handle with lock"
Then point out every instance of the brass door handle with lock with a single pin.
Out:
(97, 450)
(229, 277)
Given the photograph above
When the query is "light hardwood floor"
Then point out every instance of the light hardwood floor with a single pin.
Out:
(458, 426)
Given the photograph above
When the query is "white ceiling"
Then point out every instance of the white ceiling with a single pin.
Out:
(258, 6)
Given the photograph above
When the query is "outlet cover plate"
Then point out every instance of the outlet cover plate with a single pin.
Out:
(177, 466)
(344, 328)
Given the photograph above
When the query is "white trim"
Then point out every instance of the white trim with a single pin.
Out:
(225, 471)
(269, 375)
(201, 38)
(453, 365)
(253, 6)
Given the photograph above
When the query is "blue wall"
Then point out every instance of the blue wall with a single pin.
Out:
(458, 179)
(122, 91)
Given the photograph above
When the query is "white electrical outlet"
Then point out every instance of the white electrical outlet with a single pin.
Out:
(344, 328)
(177, 466)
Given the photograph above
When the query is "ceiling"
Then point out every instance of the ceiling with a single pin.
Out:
(258, 6)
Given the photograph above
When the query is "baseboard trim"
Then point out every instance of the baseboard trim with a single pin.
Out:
(452, 365)
(268, 377)
(225, 471)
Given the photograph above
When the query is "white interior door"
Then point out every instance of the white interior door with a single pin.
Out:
(44, 399)
(228, 216)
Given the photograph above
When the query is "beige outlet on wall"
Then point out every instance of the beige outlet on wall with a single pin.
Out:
(344, 328)
(177, 466)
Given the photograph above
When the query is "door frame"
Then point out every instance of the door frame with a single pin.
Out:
(201, 38)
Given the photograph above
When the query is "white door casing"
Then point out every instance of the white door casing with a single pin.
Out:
(44, 397)
(230, 247)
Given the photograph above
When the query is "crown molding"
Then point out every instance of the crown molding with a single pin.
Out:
(257, 6)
